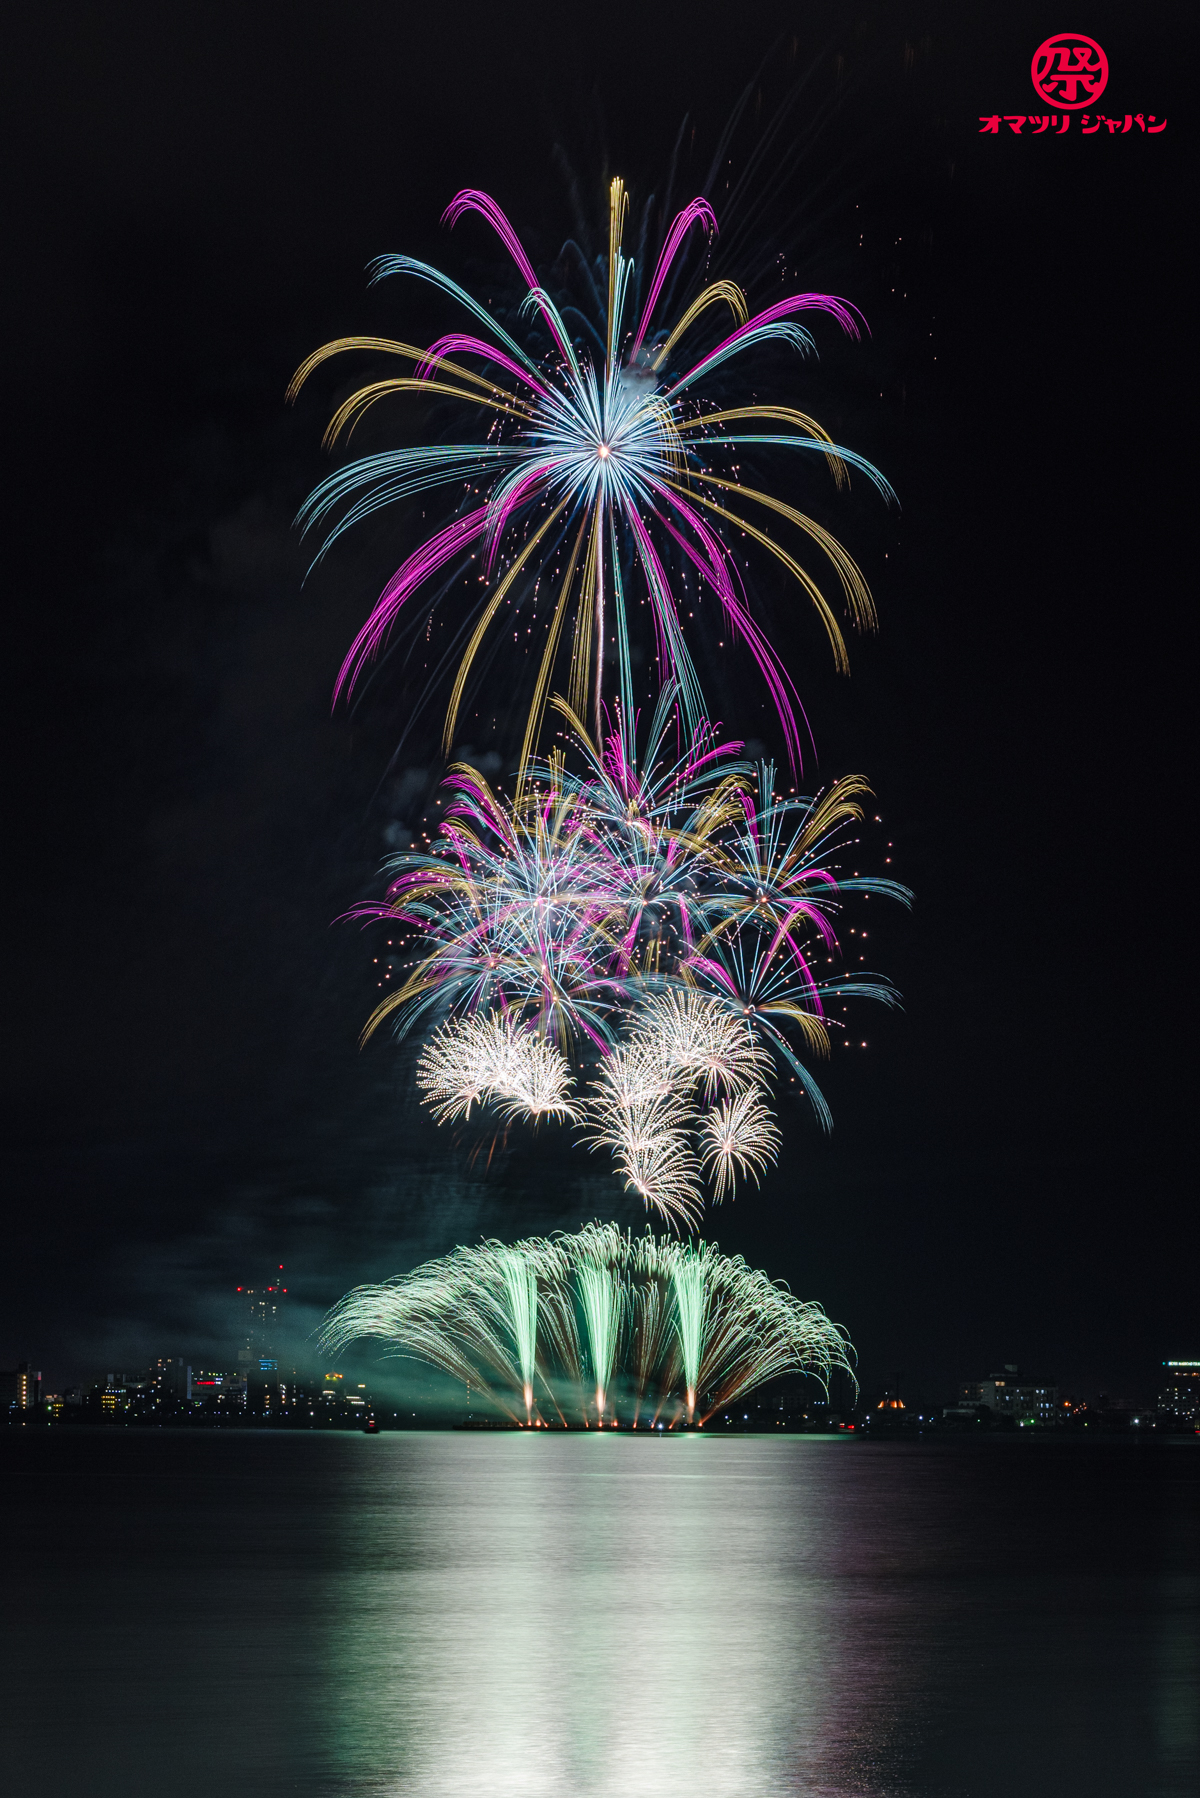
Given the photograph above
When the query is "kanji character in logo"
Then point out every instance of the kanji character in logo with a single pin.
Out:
(1070, 70)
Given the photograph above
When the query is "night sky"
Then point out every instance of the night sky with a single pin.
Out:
(192, 198)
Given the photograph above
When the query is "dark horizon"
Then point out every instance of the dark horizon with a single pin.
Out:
(194, 205)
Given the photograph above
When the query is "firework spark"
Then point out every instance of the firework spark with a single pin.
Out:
(648, 1132)
(472, 1060)
(629, 943)
(599, 1326)
(676, 928)
(612, 475)
(640, 1104)
(688, 1034)
(741, 1133)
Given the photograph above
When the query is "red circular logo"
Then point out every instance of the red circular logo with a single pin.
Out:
(1069, 71)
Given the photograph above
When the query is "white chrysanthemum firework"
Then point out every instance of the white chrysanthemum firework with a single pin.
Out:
(693, 1035)
(479, 1060)
(642, 1104)
(539, 1080)
(741, 1133)
(661, 1167)
(631, 1077)
(633, 1112)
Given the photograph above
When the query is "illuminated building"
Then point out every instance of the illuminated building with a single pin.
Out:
(210, 1383)
(264, 1305)
(117, 1394)
(20, 1388)
(169, 1377)
(1180, 1395)
(1034, 1404)
(890, 1414)
(259, 1358)
(995, 1392)
(1027, 1402)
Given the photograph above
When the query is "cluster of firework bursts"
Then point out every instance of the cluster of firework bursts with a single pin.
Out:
(641, 932)
(641, 1104)
(600, 1327)
(667, 931)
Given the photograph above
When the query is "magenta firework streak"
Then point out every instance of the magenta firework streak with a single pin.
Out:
(610, 476)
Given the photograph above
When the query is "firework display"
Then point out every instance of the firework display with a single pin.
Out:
(600, 1327)
(636, 937)
(628, 938)
(605, 474)
(671, 931)
(486, 1058)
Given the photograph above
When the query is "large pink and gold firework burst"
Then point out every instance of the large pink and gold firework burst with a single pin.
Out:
(609, 474)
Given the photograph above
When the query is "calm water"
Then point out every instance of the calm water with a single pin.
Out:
(238, 1615)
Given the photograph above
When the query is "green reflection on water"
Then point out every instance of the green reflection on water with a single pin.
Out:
(583, 1614)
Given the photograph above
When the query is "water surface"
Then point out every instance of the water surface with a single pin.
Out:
(250, 1613)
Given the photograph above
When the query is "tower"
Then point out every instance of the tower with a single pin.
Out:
(262, 1317)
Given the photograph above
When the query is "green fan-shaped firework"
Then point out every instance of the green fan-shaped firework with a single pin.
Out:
(598, 1327)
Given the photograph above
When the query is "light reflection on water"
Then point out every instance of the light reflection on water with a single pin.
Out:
(600, 1615)
(717, 1618)
(411, 1616)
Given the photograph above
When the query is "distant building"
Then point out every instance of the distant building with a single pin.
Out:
(995, 1392)
(134, 1385)
(259, 1359)
(263, 1311)
(1034, 1403)
(169, 1377)
(20, 1388)
(1011, 1394)
(1180, 1394)
(116, 1395)
(210, 1383)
